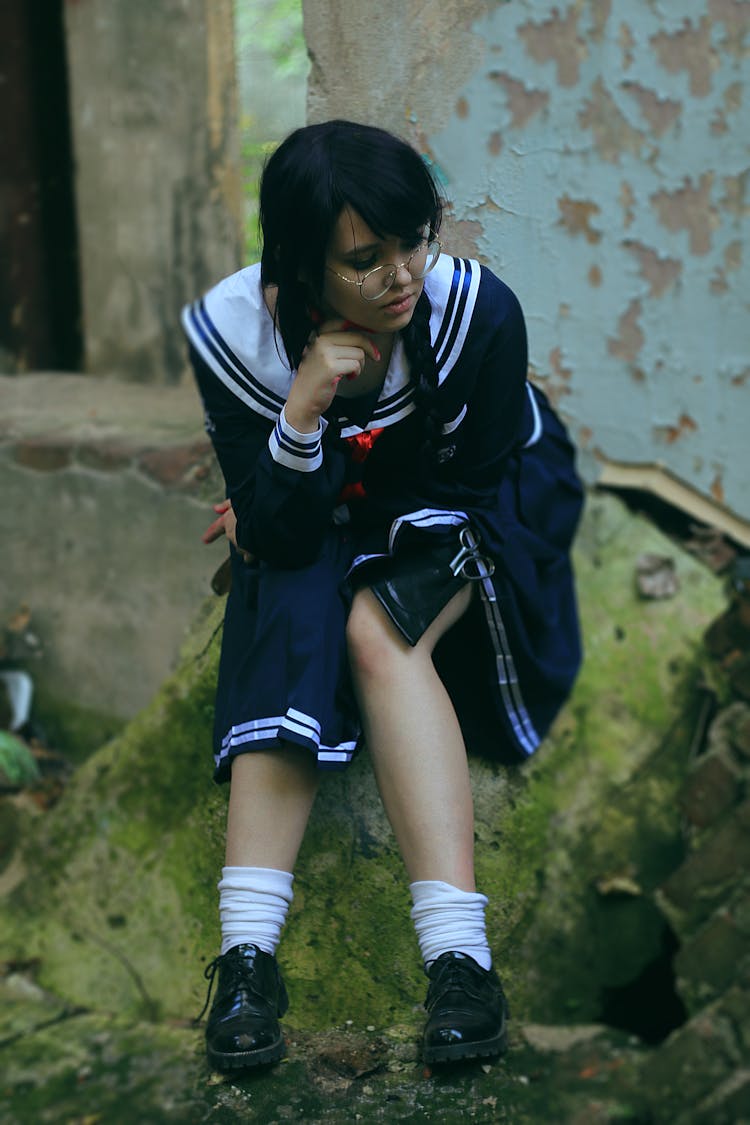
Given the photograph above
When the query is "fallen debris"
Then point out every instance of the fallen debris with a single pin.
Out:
(656, 576)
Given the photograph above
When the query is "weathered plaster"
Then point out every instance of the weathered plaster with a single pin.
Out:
(612, 132)
(522, 102)
(689, 208)
(688, 49)
(622, 195)
(629, 340)
(593, 155)
(659, 272)
(576, 216)
(557, 40)
(660, 113)
(383, 64)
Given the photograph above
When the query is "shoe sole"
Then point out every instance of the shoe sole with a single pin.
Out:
(461, 1052)
(241, 1060)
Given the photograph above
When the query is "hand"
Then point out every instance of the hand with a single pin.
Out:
(331, 354)
(226, 524)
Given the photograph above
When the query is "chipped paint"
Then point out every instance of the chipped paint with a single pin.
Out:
(672, 433)
(556, 40)
(594, 153)
(576, 216)
(660, 272)
(629, 340)
(610, 177)
(689, 50)
(522, 102)
(689, 208)
(595, 276)
(613, 134)
(660, 113)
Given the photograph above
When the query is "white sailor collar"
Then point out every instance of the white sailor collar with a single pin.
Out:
(232, 330)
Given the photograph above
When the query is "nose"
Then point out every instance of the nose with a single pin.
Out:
(403, 276)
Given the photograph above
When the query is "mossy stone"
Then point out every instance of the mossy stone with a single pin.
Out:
(128, 914)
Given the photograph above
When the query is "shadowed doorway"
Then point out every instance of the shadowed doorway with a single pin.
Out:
(40, 317)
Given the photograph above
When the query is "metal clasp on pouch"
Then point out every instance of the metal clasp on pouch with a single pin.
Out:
(469, 563)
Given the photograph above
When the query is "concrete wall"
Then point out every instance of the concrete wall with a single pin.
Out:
(106, 485)
(106, 490)
(595, 156)
(153, 107)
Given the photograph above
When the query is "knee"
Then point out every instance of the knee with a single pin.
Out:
(374, 646)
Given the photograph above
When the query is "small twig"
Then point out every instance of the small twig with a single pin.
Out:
(67, 1014)
(152, 1006)
(199, 655)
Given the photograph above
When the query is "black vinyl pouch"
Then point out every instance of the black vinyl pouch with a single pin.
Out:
(417, 584)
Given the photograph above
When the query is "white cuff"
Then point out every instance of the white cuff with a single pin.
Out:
(295, 450)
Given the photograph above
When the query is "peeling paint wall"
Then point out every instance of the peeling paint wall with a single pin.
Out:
(596, 157)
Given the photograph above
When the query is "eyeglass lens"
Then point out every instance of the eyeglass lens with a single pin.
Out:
(419, 265)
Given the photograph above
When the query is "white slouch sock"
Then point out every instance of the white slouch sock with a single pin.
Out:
(253, 902)
(448, 919)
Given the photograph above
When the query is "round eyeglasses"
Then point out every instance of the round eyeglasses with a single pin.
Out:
(378, 281)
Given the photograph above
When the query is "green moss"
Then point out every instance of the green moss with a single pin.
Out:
(129, 910)
(80, 1067)
(593, 924)
(70, 729)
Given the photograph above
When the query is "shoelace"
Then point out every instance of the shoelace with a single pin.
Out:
(456, 976)
(209, 974)
(240, 975)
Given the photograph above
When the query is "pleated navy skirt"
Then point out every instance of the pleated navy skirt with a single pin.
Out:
(508, 664)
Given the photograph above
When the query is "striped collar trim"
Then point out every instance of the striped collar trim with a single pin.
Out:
(452, 288)
(233, 332)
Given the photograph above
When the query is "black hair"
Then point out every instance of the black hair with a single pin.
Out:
(312, 175)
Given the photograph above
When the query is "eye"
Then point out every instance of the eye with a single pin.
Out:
(364, 264)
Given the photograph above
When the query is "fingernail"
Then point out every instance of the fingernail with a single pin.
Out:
(377, 352)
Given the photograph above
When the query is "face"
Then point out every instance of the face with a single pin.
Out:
(353, 251)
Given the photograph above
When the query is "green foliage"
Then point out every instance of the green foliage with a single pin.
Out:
(270, 48)
(16, 761)
(254, 155)
(275, 27)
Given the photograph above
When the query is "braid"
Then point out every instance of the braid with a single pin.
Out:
(418, 348)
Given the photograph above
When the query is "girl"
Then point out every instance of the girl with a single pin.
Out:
(400, 509)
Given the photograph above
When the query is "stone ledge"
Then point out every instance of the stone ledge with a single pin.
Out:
(88, 409)
(51, 422)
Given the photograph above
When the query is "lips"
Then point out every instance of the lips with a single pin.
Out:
(400, 305)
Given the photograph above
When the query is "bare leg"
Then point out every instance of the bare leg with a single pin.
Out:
(415, 742)
(272, 793)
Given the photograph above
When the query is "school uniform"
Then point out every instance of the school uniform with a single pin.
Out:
(321, 512)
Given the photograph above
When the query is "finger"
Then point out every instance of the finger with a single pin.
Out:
(355, 339)
(224, 506)
(349, 366)
(214, 531)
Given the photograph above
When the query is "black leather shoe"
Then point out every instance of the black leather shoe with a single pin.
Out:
(467, 1011)
(243, 1024)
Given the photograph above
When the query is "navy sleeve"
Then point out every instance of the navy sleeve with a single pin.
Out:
(283, 485)
(497, 401)
(491, 387)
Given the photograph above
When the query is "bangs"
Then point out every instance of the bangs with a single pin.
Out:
(391, 188)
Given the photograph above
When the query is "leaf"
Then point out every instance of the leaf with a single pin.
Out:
(17, 765)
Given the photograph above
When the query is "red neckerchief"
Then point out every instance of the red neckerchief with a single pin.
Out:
(360, 446)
